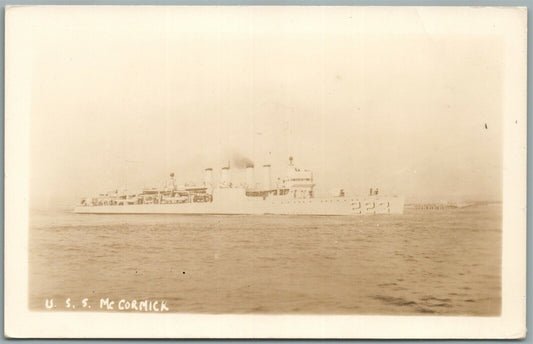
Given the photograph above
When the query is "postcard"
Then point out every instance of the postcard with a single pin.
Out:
(265, 172)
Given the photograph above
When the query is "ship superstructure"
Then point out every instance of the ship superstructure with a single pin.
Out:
(291, 195)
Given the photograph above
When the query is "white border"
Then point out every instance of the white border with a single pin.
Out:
(510, 23)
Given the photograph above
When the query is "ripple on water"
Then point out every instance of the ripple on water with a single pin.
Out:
(442, 262)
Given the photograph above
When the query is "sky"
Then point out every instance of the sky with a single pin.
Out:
(120, 101)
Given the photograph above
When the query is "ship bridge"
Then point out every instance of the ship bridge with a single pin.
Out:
(299, 183)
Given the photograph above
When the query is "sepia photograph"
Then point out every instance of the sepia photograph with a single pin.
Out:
(263, 171)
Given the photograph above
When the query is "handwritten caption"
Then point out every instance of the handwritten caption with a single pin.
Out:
(109, 305)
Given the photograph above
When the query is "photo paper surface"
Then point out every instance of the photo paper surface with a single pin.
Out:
(265, 172)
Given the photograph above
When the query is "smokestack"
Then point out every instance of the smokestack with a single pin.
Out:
(224, 177)
(250, 176)
(266, 177)
(208, 177)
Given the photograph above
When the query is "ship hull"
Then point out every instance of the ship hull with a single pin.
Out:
(282, 206)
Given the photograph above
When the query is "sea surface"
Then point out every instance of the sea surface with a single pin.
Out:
(425, 262)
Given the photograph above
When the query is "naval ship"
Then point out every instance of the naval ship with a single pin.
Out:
(291, 195)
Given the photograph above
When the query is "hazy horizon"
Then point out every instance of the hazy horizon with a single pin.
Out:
(126, 104)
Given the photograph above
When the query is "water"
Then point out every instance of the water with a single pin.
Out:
(426, 262)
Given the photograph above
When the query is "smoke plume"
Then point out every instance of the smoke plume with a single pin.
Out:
(240, 161)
